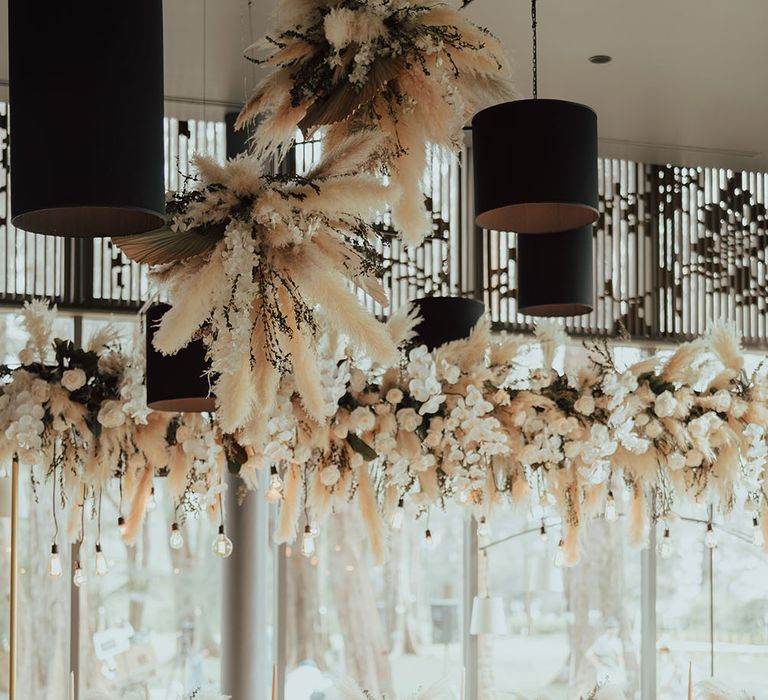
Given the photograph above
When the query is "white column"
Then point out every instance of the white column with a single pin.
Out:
(245, 655)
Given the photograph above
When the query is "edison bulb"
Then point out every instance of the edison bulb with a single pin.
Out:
(177, 539)
(665, 546)
(54, 565)
(543, 536)
(121, 525)
(398, 516)
(222, 545)
(275, 490)
(308, 542)
(151, 501)
(710, 539)
(79, 578)
(560, 554)
(483, 529)
(429, 541)
(101, 562)
(758, 539)
(610, 507)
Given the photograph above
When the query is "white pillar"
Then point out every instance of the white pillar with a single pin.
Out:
(245, 654)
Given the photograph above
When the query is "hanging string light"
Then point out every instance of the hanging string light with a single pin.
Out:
(176, 540)
(275, 490)
(398, 516)
(535, 162)
(758, 538)
(543, 536)
(710, 538)
(79, 578)
(610, 508)
(308, 542)
(151, 500)
(102, 567)
(560, 554)
(483, 529)
(222, 545)
(665, 546)
(54, 563)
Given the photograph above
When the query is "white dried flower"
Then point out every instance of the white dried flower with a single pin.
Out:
(73, 379)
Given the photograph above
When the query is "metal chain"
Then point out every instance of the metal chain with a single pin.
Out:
(535, 47)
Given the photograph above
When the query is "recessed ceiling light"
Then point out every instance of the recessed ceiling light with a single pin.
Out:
(600, 58)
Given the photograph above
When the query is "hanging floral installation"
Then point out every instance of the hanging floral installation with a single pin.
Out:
(79, 417)
(414, 72)
(467, 424)
(250, 261)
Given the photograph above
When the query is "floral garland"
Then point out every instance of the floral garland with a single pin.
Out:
(79, 417)
(249, 261)
(413, 71)
(465, 424)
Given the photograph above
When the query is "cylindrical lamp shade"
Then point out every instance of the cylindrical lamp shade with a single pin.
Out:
(488, 616)
(177, 382)
(444, 319)
(86, 117)
(535, 166)
(554, 273)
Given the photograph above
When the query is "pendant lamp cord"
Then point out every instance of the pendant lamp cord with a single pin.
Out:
(535, 51)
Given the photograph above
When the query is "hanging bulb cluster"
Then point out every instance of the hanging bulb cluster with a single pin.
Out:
(275, 490)
(610, 508)
(101, 562)
(54, 564)
(710, 539)
(758, 538)
(222, 545)
(79, 578)
(151, 501)
(308, 542)
(398, 516)
(665, 546)
(560, 554)
(176, 540)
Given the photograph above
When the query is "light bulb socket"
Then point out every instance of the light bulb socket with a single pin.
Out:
(755, 522)
(273, 470)
(174, 527)
(666, 533)
(428, 534)
(543, 530)
(561, 544)
(709, 527)
(307, 530)
(121, 521)
(98, 548)
(221, 529)
(609, 497)
(54, 548)
(400, 503)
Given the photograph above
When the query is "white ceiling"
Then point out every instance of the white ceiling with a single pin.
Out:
(688, 82)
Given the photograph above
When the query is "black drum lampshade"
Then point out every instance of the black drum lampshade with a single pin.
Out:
(177, 382)
(535, 166)
(86, 117)
(554, 273)
(445, 319)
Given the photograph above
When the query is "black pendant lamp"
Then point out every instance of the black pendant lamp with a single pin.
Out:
(86, 117)
(177, 382)
(554, 273)
(535, 163)
(445, 319)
